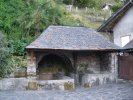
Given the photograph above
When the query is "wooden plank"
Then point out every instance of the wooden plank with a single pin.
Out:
(126, 67)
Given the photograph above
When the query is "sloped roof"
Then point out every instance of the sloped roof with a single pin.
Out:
(71, 38)
(109, 24)
(129, 45)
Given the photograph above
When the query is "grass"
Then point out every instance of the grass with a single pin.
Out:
(89, 18)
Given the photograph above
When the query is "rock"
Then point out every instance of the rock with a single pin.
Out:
(32, 86)
(68, 86)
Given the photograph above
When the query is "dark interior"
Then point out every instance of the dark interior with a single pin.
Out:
(54, 66)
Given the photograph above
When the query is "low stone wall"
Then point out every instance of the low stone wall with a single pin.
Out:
(67, 84)
(89, 80)
(13, 83)
(32, 84)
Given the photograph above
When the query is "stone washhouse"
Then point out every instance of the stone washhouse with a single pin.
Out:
(71, 56)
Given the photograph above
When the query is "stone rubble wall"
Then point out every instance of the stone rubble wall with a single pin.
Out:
(67, 84)
(89, 60)
(13, 83)
(98, 65)
(32, 84)
(89, 80)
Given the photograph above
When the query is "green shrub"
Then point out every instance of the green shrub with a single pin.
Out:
(89, 3)
(117, 6)
(68, 2)
(4, 57)
(17, 47)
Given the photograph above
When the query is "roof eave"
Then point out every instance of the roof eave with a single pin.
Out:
(110, 50)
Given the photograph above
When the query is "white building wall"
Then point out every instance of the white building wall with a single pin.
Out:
(124, 27)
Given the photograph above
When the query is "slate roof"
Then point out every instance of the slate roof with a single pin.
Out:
(71, 38)
(109, 24)
(129, 45)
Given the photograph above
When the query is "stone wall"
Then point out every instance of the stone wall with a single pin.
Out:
(33, 84)
(89, 62)
(89, 80)
(105, 62)
(108, 74)
(31, 63)
(101, 65)
(13, 84)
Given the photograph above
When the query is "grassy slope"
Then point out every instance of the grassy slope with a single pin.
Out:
(96, 18)
(91, 18)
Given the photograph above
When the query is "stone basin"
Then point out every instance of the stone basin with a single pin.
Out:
(33, 84)
(89, 80)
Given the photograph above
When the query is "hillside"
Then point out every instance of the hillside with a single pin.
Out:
(94, 17)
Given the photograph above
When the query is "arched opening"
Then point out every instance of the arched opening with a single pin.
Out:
(54, 66)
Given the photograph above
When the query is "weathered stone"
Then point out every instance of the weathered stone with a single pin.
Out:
(88, 62)
(31, 70)
(69, 86)
(32, 85)
(96, 79)
(91, 63)
(20, 72)
(87, 85)
(46, 76)
(13, 84)
(54, 84)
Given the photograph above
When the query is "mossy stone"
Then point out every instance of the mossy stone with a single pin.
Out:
(68, 86)
(87, 85)
(32, 86)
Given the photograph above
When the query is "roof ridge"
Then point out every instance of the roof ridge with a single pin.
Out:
(70, 26)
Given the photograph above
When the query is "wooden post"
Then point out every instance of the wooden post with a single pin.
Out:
(76, 9)
(86, 9)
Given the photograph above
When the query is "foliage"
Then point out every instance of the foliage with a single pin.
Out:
(88, 3)
(4, 55)
(40, 14)
(68, 2)
(82, 68)
(22, 18)
(18, 61)
(26, 19)
(10, 11)
(117, 6)
(17, 47)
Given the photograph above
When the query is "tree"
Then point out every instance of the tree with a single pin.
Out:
(4, 55)
(23, 20)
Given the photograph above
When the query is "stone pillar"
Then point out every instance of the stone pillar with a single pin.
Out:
(76, 79)
(31, 64)
(31, 71)
(114, 66)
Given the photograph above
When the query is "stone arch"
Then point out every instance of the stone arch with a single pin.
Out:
(54, 63)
